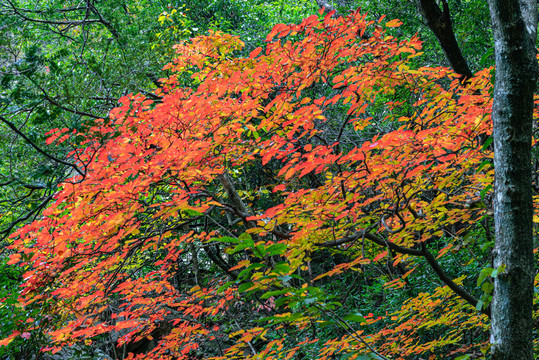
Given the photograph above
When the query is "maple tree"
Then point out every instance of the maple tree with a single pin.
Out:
(168, 189)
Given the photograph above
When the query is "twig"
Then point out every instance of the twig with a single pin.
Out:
(342, 323)
(42, 152)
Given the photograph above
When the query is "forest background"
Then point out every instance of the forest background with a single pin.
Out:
(343, 232)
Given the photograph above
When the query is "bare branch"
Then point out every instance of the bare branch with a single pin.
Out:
(41, 151)
(449, 282)
(374, 238)
(18, 12)
(6, 232)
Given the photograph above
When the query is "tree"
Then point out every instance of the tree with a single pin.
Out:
(214, 222)
(63, 65)
(515, 34)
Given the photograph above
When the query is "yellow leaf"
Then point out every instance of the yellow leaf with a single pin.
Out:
(394, 23)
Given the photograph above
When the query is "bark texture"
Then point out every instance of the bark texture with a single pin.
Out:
(439, 21)
(514, 24)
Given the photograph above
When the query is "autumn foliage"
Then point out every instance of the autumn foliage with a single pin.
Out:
(328, 142)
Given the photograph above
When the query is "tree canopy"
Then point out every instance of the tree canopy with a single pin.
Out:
(325, 195)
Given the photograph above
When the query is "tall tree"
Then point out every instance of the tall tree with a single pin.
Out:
(351, 179)
(514, 25)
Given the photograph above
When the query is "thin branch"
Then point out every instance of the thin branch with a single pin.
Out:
(17, 11)
(237, 203)
(103, 21)
(374, 238)
(6, 183)
(422, 253)
(7, 231)
(55, 103)
(221, 263)
(42, 152)
(64, 10)
(449, 282)
(350, 330)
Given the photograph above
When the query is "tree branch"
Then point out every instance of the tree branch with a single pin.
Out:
(55, 103)
(217, 260)
(42, 152)
(376, 239)
(6, 232)
(439, 22)
(235, 199)
(449, 282)
(18, 12)
(415, 252)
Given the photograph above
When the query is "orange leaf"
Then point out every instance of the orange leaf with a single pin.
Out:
(394, 23)
(255, 52)
(14, 258)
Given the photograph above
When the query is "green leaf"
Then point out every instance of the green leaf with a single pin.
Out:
(276, 249)
(243, 287)
(282, 301)
(479, 305)
(282, 268)
(486, 272)
(224, 287)
(190, 212)
(332, 305)
(327, 323)
(287, 318)
(487, 144)
(227, 239)
(487, 245)
(484, 62)
(247, 243)
(245, 237)
(275, 293)
(259, 251)
(485, 191)
(483, 164)
(245, 272)
(499, 270)
(487, 287)
(357, 317)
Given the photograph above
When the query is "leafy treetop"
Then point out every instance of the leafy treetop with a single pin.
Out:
(164, 188)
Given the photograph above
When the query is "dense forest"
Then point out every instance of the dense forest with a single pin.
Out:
(249, 179)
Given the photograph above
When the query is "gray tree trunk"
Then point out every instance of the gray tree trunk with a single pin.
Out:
(514, 24)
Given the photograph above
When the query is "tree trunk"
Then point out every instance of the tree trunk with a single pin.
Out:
(514, 24)
(439, 21)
